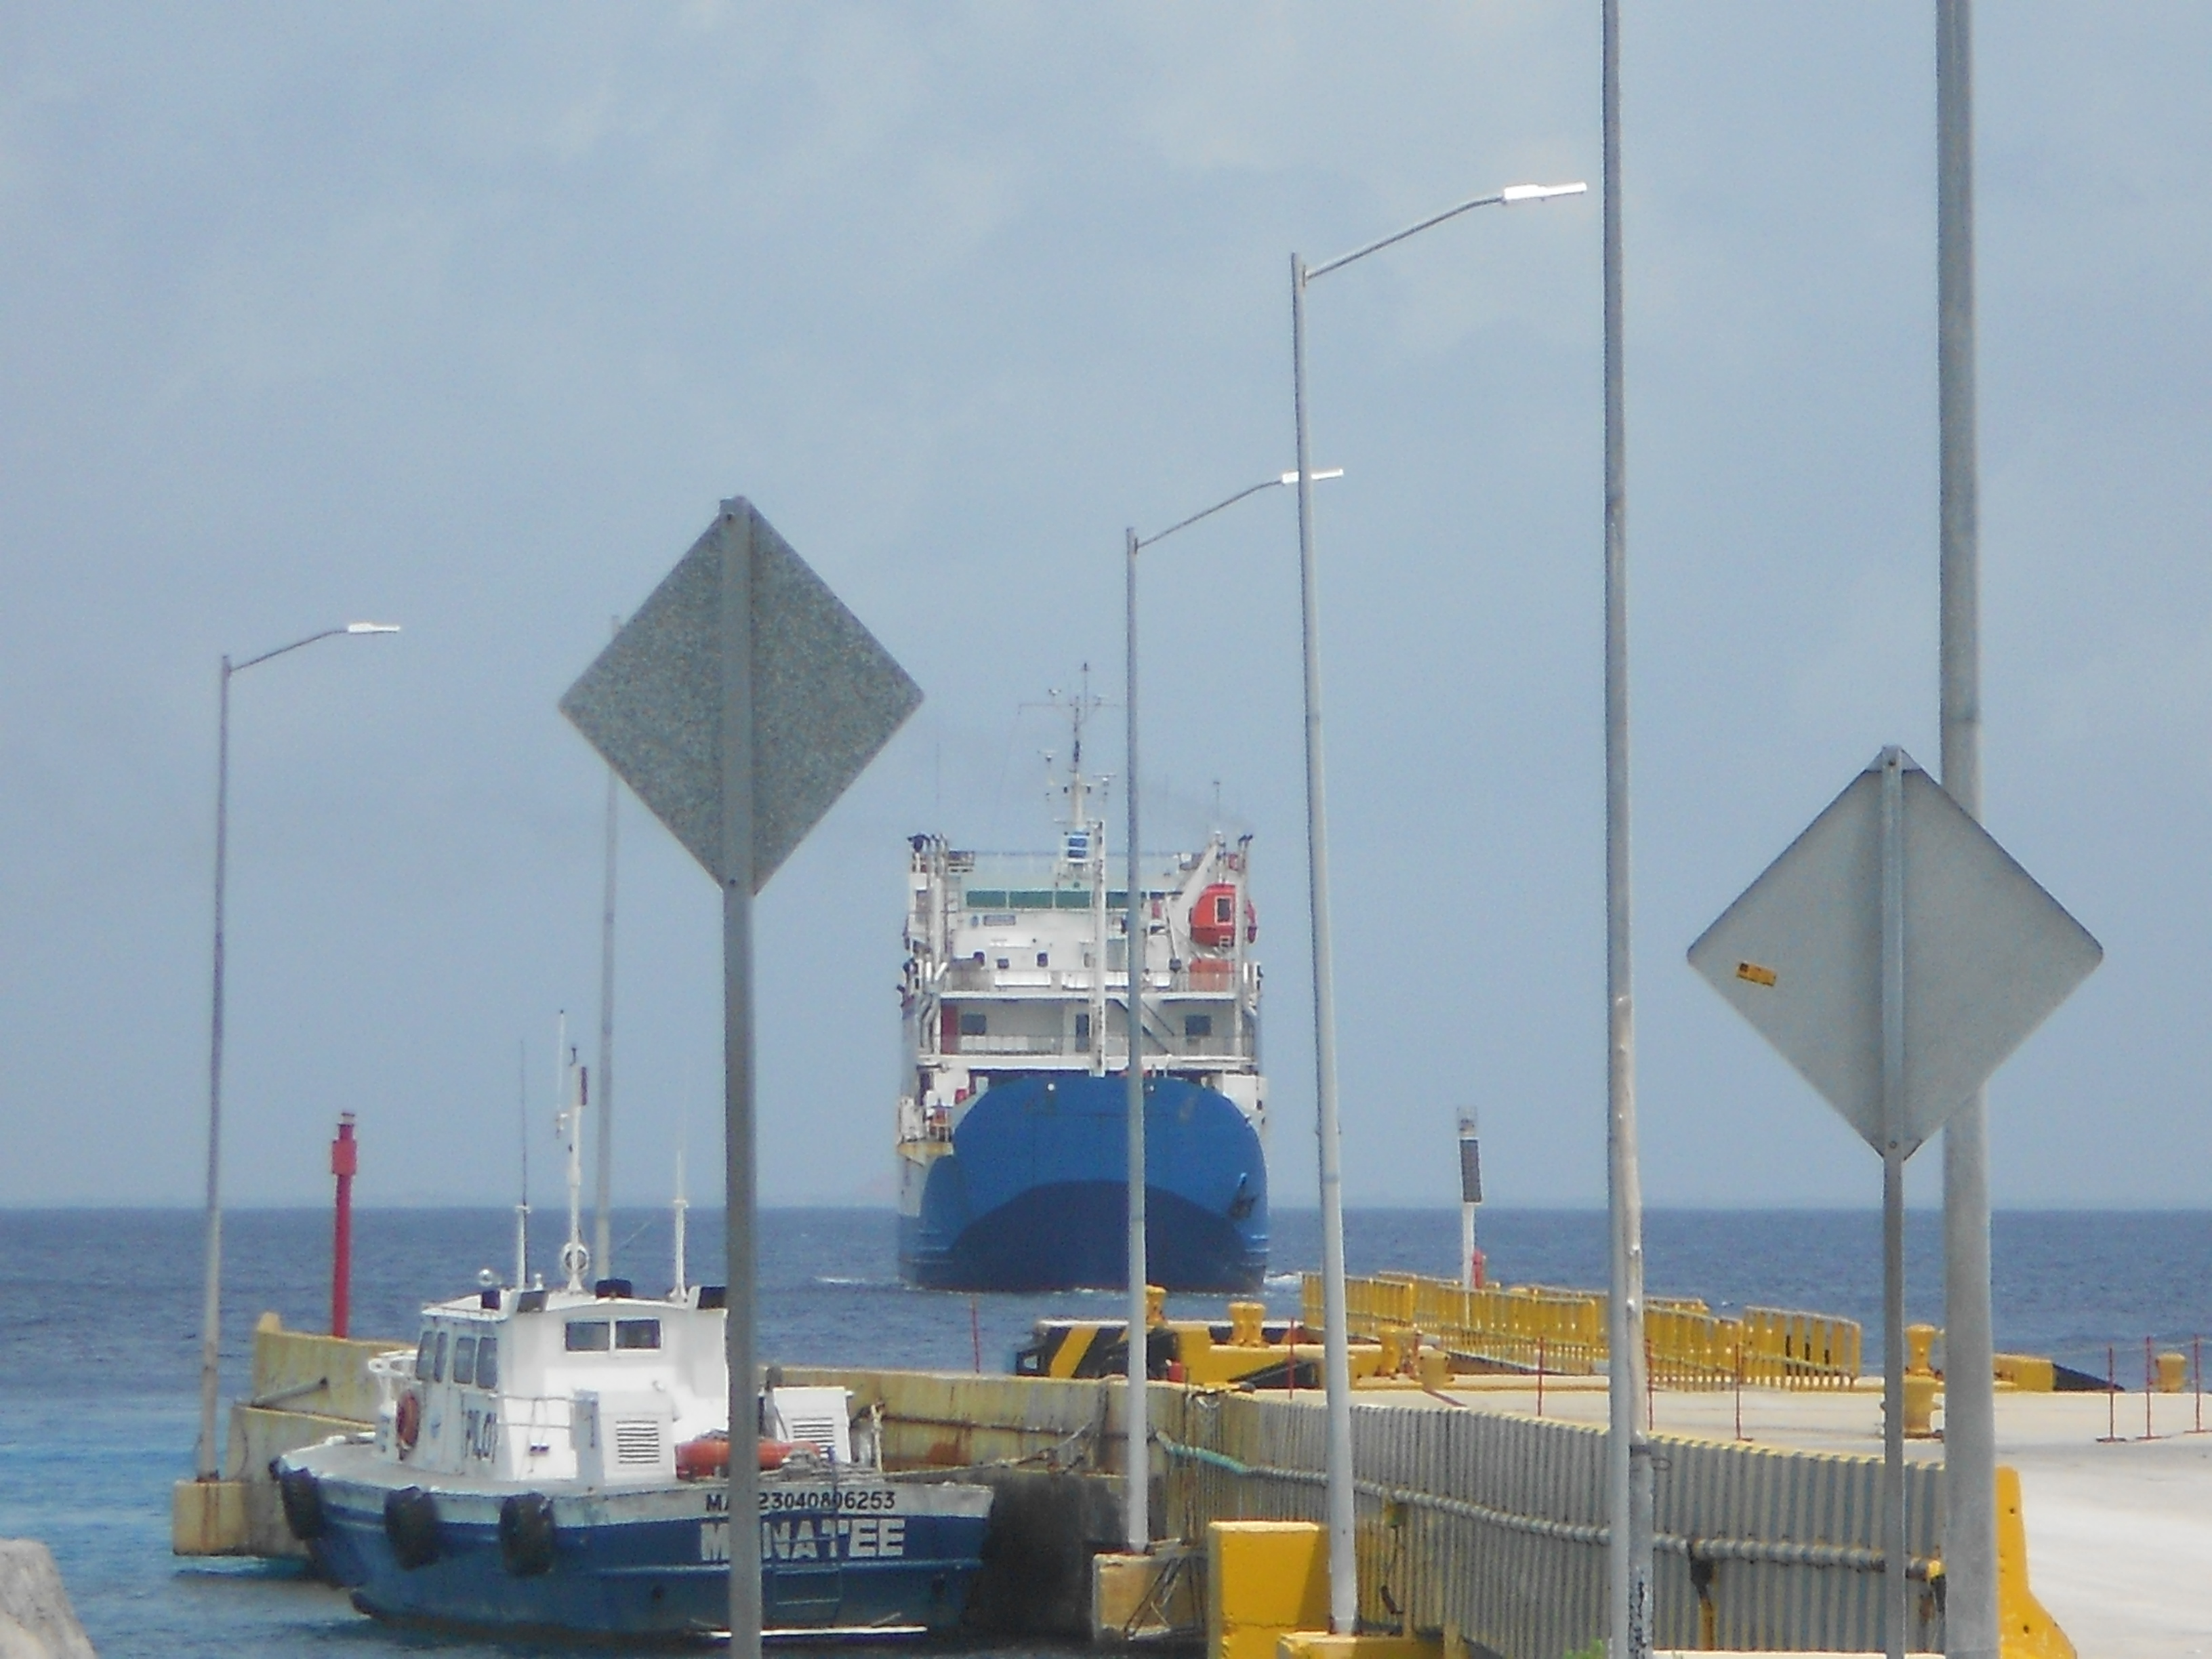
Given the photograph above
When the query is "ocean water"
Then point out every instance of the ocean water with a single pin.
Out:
(99, 1341)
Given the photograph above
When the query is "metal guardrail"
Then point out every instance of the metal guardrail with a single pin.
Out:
(1563, 1332)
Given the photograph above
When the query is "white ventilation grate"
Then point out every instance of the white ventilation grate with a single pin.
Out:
(637, 1440)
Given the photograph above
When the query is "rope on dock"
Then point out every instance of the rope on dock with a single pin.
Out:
(1851, 1557)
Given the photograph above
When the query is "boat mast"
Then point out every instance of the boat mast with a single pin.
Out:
(681, 1204)
(572, 1083)
(1094, 844)
(522, 1209)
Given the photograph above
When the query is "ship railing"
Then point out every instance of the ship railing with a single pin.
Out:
(1542, 1327)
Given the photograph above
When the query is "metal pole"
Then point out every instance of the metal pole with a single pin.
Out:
(1970, 1529)
(603, 1176)
(736, 758)
(1336, 1361)
(1629, 1478)
(1137, 1438)
(212, 1290)
(1892, 1202)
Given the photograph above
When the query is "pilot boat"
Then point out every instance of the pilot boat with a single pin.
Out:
(554, 1463)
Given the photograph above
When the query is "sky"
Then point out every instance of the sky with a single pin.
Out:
(467, 319)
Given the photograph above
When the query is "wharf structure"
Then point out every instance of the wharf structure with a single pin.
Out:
(1479, 1457)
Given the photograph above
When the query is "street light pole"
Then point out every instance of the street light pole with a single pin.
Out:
(1136, 1428)
(1969, 1529)
(211, 1287)
(1343, 1566)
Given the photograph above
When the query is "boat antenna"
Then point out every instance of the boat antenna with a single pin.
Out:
(574, 1083)
(522, 1209)
(681, 1204)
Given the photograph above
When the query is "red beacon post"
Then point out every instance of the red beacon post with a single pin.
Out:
(345, 1159)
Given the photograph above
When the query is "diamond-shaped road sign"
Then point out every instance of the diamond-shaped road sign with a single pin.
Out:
(1988, 955)
(826, 697)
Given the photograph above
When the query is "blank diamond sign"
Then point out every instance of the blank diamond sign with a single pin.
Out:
(1987, 955)
(825, 696)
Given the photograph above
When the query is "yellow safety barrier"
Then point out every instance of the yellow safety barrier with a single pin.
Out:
(1526, 1328)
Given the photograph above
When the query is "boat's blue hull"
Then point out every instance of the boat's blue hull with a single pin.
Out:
(1033, 1194)
(654, 1566)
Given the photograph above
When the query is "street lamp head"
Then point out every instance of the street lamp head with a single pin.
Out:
(1513, 193)
(1325, 473)
(372, 627)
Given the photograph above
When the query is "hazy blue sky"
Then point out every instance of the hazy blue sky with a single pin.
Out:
(466, 317)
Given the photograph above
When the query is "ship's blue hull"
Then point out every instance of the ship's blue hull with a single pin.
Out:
(1033, 1195)
(654, 1565)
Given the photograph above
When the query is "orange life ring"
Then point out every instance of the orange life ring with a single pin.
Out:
(407, 1423)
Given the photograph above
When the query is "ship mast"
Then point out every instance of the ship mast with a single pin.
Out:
(1085, 844)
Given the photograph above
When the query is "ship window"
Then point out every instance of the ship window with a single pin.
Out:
(1082, 1028)
(425, 1354)
(464, 1360)
(974, 1025)
(1044, 959)
(1006, 962)
(438, 1359)
(488, 1363)
(1224, 908)
(588, 1335)
(637, 1333)
(1198, 1025)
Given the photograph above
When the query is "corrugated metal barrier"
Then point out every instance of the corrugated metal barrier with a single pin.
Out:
(1493, 1526)
(1562, 1331)
(1489, 1525)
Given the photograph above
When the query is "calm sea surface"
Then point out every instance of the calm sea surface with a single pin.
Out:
(99, 1341)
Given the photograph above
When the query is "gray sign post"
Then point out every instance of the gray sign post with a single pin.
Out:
(738, 703)
(1895, 954)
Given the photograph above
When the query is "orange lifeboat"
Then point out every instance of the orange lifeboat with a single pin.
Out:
(1213, 918)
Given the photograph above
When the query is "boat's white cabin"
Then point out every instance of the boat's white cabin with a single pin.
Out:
(555, 1385)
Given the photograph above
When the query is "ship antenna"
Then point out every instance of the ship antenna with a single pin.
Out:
(522, 1209)
(681, 1204)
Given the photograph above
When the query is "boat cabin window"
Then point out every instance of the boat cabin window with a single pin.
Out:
(424, 1354)
(1198, 1025)
(588, 1336)
(974, 1025)
(464, 1360)
(488, 1363)
(637, 1333)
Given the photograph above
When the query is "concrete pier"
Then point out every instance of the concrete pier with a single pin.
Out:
(2120, 1534)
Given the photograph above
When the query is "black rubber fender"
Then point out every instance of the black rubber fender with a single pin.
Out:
(302, 1497)
(410, 1522)
(526, 1535)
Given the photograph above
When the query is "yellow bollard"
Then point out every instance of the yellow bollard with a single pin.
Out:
(1919, 1347)
(1436, 1368)
(2173, 1373)
(1920, 1405)
(1156, 1304)
(1245, 1319)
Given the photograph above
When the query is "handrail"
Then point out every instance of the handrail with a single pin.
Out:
(1527, 1327)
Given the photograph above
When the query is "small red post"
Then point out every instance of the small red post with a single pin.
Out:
(2111, 1395)
(1650, 1392)
(2150, 1386)
(345, 1159)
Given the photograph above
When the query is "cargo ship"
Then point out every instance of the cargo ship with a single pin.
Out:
(1012, 1127)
